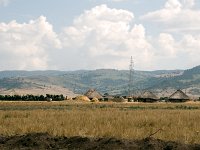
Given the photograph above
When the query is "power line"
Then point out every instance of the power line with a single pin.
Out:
(131, 70)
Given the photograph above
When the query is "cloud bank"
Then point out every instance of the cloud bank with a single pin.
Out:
(102, 37)
(106, 38)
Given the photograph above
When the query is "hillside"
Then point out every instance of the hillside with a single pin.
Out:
(162, 82)
(23, 73)
(189, 81)
(104, 80)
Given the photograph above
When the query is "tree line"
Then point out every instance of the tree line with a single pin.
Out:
(31, 97)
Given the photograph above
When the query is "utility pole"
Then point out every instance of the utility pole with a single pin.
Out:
(131, 66)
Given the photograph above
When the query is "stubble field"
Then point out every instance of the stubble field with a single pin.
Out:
(135, 121)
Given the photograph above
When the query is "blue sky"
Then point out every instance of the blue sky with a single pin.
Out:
(62, 13)
(93, 34)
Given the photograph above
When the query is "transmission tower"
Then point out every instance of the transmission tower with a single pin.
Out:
(130, 88)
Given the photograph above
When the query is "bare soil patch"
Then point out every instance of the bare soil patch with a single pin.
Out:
(42, 141)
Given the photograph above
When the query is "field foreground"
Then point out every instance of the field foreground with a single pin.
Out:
(133, 123)
(45, 141)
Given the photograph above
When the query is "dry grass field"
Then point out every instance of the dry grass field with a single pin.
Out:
(175, 122)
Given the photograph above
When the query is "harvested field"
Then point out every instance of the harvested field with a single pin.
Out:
(45, 141)
(123, 122)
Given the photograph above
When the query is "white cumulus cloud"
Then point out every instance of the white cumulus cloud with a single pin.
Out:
(173, 53)
(188, 3)
(171, 9)
(106, 38)
(176, 15)
(25, 46)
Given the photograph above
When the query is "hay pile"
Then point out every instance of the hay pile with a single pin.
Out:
(95, 100)
(82, 98)
(92, 93)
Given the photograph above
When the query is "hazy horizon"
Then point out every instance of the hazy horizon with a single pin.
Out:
(103, 69)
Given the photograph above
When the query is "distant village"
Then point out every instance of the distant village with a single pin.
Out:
(147, 96)
(93, 95)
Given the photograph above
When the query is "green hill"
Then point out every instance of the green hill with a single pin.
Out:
(104, 80)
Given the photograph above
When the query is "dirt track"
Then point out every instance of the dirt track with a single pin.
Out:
(40, 141)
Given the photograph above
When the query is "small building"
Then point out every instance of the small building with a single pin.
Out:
(148, 96)
(119, 99)
(49, 99)
(92, 93)
(179, 96)
(107, 97)
(132, 98)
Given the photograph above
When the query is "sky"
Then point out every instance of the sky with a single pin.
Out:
(96, 34)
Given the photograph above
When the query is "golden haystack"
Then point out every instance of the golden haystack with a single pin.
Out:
(82, 98)
(95, 100)
(92, 93)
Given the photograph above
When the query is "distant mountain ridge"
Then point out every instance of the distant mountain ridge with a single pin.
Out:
(105, 80)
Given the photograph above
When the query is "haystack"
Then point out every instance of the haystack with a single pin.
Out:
(148, 96)
(95, 100)
(179, 96)
(107, 97)
(82, 98)
(93, 94)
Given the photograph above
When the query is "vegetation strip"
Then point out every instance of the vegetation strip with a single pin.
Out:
(69, 107)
